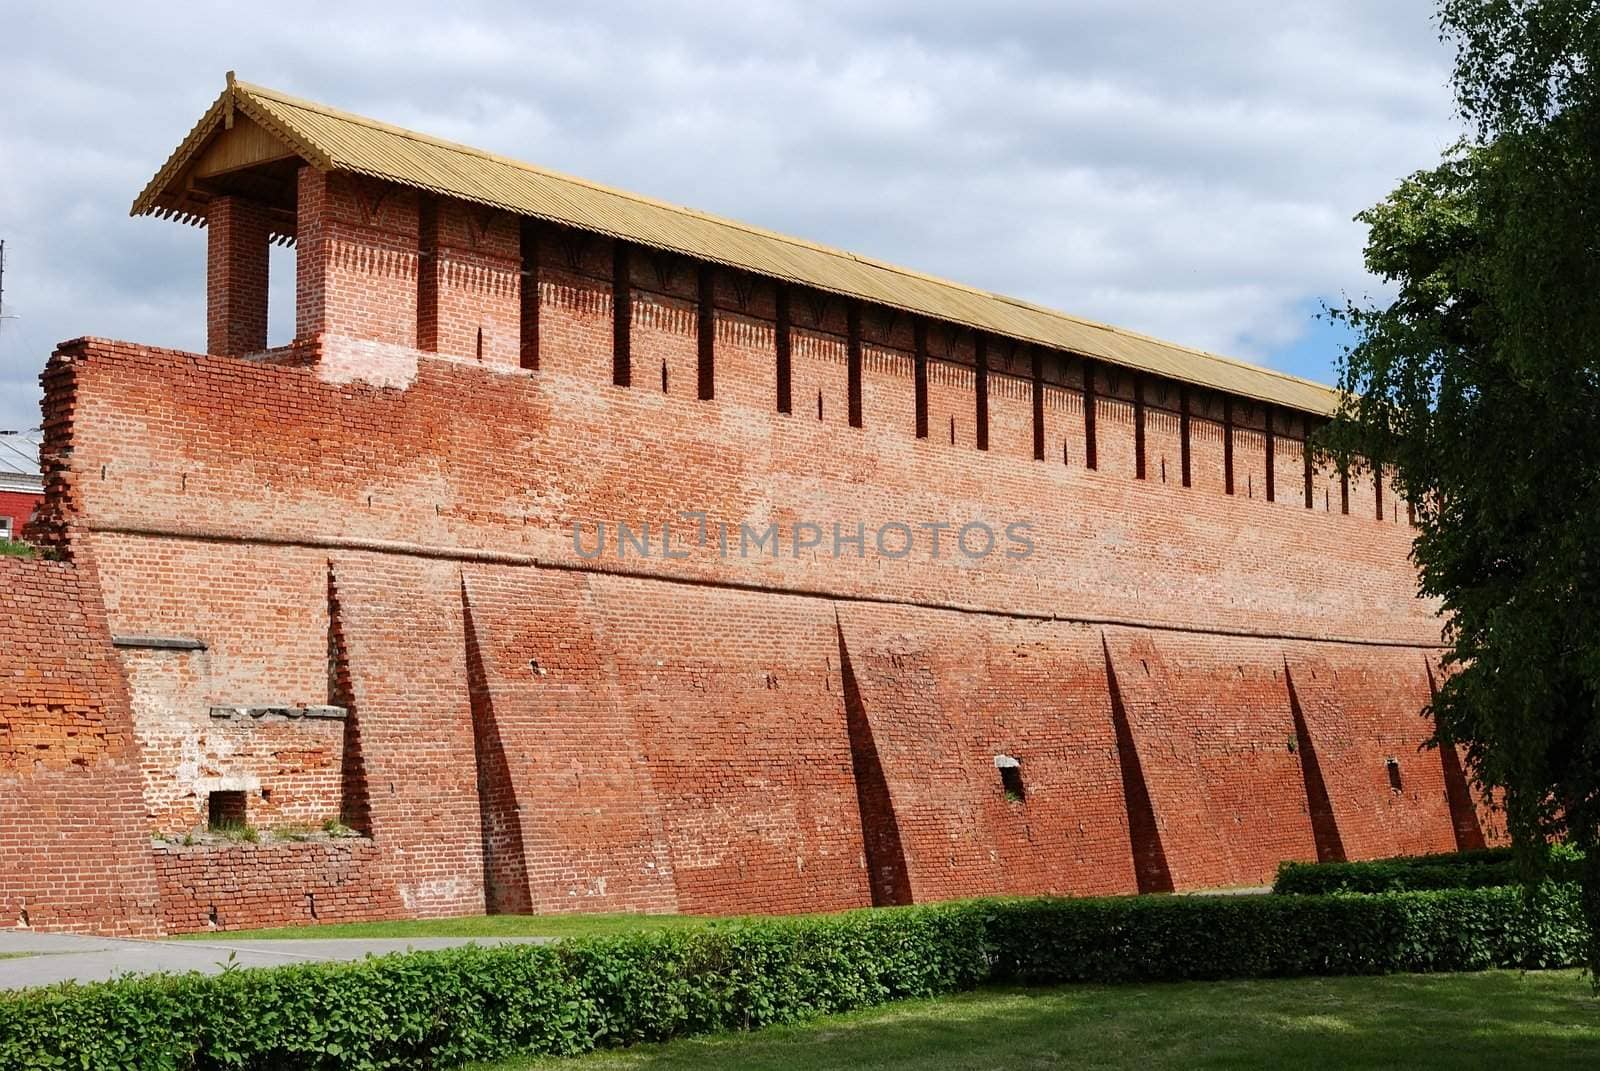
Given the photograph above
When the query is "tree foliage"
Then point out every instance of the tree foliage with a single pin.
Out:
(1479, 384)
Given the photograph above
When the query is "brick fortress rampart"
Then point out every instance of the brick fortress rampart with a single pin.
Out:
(349, 572)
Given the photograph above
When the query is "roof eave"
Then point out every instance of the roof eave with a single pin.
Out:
(158, 198)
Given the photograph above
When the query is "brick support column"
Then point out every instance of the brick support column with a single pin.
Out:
(236, 277)
(312, 235)
(356, 260)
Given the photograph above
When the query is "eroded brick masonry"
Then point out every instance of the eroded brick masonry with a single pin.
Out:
(340, 581)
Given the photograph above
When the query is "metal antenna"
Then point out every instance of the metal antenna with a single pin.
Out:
(3, 316)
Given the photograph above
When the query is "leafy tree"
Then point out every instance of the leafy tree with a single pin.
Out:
(1479, 384)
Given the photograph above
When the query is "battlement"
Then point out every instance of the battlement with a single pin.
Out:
(409, 246)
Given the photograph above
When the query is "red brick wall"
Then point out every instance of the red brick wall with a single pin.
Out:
(943, 694)
(236, 276)
(469, 293)
(366, 524)
(73, 845)
(1362, 709)
(742, 726)
(244, 886)
(570, 816)
(466, 458)
(1211, 722)
(404, 650)
(356, 259)
(288, 767)
(19, 508)
(263, 614)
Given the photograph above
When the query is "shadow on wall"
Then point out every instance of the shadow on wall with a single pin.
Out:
(886, 859)
(1149, 859)
(505, 866)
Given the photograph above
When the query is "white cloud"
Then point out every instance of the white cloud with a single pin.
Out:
(1186, 170)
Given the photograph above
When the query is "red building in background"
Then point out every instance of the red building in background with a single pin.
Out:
(21, 486)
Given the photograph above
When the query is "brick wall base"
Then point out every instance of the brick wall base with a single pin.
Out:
(243, 886)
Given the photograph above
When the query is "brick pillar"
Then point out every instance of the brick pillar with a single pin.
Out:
(312, 229)
(236, 277)
(355, 259)
(469, 302)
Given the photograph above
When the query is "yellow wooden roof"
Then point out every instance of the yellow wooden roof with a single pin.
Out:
(330, 139)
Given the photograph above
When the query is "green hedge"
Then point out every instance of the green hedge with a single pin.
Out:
(441, 1009)
(1210, 937)
(1481, 869)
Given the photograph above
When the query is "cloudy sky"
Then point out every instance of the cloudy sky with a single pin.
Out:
(1189, 170)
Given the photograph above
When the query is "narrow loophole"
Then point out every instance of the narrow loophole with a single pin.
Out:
(1010, 778)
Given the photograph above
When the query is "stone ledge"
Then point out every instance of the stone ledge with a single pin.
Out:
(159, 643)
(323, 713)
(351, 844)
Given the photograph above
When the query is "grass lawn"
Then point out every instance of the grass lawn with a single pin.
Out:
(471, 926)
(1498, 1019)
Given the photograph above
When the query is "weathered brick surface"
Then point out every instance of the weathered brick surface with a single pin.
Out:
(289, 768)
(469, 303)
(243, 886)
(530, 454)
(742, 725)
(356, 259)
(73, 847)
(404, 649)
(237, 233)
(265, 631)
(569, 810)
(1211, 722)
(943, 694)
(1362, 710)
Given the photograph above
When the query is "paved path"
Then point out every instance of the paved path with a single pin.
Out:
(57, 957)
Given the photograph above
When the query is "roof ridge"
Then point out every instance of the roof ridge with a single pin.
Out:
(629, 195)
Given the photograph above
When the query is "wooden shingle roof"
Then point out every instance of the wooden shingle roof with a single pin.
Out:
(333, 140)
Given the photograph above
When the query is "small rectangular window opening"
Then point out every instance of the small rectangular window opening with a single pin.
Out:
(1393, 767)
(1010, 778)
(225, 810)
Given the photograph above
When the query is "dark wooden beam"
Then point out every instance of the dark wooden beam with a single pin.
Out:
(1038, 402)
(1183, 431)
(783, 339)
(1305, 423)
(707, 378)
(853, 340)
(621, 316)
(1227, 444)
(980, 356)
(920, 374)
(1272, 459)
(1091, 455)
(529, 295)
(1138, 427)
